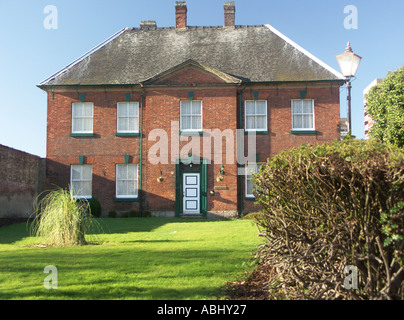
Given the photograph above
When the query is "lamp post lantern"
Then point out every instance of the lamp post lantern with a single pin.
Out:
(348, 63)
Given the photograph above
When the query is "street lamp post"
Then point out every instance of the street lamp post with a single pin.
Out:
(348, 63)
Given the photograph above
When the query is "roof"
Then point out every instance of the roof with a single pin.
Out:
(248, 53)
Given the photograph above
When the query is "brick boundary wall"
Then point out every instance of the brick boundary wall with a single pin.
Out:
(22, 178)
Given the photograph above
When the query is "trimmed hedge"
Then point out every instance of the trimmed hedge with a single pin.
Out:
(329, 210)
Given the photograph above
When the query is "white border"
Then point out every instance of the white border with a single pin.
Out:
(116, 182)
(314, 115)
(92, 117)
(191, 130)
(266, 117)
(81, 180)
(117, 118)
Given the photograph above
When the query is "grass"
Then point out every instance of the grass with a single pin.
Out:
(139, 258)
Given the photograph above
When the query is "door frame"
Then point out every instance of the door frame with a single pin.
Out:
(179, 173)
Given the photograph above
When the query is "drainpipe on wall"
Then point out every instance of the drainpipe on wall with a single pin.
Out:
(141, 156)
(240, 177)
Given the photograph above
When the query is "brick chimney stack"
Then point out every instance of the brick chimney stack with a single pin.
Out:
(229, 14)
(148, 25)
(180, 15)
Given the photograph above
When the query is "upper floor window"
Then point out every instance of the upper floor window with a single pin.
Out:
(191, 115)
(302, 114)
(256, 115)
(82, 117)
(128, 117)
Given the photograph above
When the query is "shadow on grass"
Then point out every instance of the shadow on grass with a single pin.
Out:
(18, 231)
(125, 225)
(15, 232)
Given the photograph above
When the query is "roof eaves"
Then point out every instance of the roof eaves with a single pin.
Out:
(304, 51)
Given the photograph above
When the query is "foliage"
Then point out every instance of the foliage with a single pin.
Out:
(329, 207)
(385, 105)
(62, 220)
(94, 207)
(146, 214)
(133, 214)
(112, 214)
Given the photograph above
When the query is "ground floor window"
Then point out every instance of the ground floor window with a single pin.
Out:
(126, 181)
(81, 180)
(251, 169)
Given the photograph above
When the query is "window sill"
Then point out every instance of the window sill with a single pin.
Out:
(191, 133)
(246, 132)
(78, 198)
(126, 199)
(82, 134)
(127, 134)
(303, 132)
(247, 198)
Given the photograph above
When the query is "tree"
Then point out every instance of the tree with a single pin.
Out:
(385, 104)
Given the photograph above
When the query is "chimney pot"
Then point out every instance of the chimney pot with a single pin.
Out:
(229, 14)
(180, 15)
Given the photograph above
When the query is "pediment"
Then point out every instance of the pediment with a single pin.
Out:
(191, 73)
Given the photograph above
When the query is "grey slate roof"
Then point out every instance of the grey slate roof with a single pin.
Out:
(249, 53)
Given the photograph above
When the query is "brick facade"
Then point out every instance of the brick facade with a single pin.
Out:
(22, 178)
(161, 109)
(220, 68)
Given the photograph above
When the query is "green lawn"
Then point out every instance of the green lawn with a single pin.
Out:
(134, 258)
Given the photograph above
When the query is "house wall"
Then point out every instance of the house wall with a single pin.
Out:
(161, 111)
(327, 120)
(22, 178)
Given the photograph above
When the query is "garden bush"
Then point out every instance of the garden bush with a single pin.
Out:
(329, 210)
(133, 214)
(112, 214)
(146, 214)
(95, 207)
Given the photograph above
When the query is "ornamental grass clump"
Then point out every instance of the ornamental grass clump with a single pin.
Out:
(62, 220)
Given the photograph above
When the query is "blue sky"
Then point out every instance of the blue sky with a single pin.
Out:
(31, 53)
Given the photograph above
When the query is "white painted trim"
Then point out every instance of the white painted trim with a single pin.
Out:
(87, 196)
(314, 115)
(117, 118)
(84, 56)
(89, 117)
(266, 117)
(308, 54)
(197, 197)
(191, 130)
(123, 196)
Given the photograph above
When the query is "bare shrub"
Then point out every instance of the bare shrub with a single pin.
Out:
(329, 207)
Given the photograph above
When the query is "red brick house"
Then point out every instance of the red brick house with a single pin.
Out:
(151, 119)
